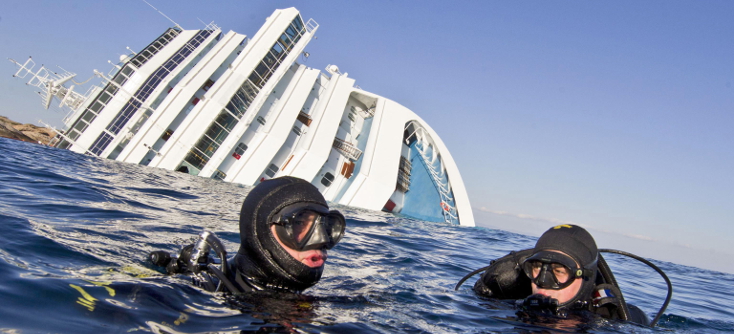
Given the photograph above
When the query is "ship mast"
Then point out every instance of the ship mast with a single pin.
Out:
(50, 83)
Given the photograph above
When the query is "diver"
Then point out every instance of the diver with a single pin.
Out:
(286, 228)
(563, 274)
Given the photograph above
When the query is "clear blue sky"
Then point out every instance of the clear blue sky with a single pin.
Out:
(618, 116)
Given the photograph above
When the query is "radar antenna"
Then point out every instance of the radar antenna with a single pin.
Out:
(50, 83)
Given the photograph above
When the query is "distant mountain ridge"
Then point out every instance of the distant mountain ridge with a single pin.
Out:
(25, 132)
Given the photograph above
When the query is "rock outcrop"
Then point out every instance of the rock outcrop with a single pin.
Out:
(25, 132)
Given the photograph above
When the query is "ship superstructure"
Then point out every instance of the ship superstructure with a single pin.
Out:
(239, 109)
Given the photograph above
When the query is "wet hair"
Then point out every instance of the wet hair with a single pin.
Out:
(260, 257)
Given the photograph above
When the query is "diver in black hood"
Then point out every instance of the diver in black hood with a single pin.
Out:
(564, 273)
(285, 229)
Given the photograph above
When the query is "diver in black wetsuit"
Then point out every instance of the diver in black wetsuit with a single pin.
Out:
(285, 229)
(564, 274)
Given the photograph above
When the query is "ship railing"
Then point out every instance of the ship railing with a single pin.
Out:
(435, 175)
(447, 208)
(63, 136)
(364, 113)
(370, 112)
(311, 25)
(347, 149)
(211, 26)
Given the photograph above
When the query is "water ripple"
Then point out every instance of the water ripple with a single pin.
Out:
(75, 231)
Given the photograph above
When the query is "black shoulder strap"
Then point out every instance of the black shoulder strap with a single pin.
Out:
(608, 278)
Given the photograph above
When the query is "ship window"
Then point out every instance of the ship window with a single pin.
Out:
(111, 89)
(263, 71)
(255, 79)
(217, 133)
(73, 135)
(96, 107)
(88, 116)
(270, 60)
(100, 144)
(119, 79)
(226, 120)
(298, 22)
(327, 179)
(286, 41)
(167, 134)
(127, 71)
(248, 92)
(81, 126)
(277, 50)
(208, 84)
(241, 100)
(272, 169)
(219, 175)
(291, 32)
(229, 111)
(240, 149)
(206, 146)
(297, 130)
(104, 97)
(195, 159)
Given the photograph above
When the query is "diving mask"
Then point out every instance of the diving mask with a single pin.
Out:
(306, 226)
(552, 270)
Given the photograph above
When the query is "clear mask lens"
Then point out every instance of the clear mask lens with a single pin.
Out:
(553, 271)
(306, 229)
(558, 272)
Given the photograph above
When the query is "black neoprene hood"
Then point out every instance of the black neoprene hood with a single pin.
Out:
(260, 257)
(572, 240)
(577, 243)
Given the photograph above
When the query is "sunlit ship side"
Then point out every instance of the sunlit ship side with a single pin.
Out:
(243, 110)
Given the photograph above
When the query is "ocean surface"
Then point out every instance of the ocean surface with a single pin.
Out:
(75, 232)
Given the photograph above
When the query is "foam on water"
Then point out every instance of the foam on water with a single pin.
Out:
(75, 232)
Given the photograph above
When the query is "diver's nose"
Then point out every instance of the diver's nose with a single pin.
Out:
(545, 279)
(319, 238)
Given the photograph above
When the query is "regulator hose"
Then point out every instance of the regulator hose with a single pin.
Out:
(665, 277)
(463, 279)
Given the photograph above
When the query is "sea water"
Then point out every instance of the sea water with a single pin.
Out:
(75, 232)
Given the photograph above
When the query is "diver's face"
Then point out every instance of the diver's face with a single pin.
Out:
(313, 258)
(562, 295)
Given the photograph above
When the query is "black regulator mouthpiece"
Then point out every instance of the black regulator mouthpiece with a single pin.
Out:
(191, 258)
(539, 304)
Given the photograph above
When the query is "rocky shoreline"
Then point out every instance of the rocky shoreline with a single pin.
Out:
(25, 132)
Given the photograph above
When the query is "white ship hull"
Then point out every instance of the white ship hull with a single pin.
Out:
(221, 105)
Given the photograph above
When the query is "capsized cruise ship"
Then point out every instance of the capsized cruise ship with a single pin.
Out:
(225, 106)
